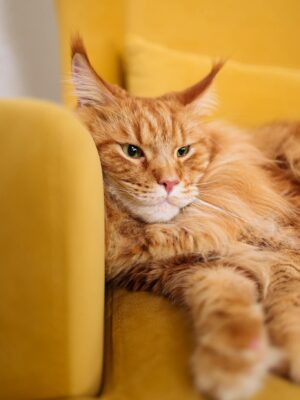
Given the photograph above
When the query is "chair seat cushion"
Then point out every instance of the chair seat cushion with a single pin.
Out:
(148, 345)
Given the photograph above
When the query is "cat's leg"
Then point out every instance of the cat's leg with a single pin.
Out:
(282, 308)
(232, 353)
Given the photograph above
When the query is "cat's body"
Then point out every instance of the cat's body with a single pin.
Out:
(197, 212)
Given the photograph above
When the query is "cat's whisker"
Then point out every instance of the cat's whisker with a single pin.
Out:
(206, 183)
(217, 208)
(206, 190)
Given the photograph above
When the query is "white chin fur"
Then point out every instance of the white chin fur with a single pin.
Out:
(158, 213)
(152, 213)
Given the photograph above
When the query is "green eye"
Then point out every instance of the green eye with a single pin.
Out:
(183, 151)
(132, 151)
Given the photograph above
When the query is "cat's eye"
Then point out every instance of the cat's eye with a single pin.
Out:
(182, 151)
(132, 151)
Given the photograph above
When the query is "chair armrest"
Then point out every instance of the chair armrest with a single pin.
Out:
(51, 254)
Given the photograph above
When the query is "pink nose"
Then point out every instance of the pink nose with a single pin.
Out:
(169, 185)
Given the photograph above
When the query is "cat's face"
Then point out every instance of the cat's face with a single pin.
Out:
(153, 151)
(152, 158)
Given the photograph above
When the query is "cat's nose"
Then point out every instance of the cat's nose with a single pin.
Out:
(169, 184)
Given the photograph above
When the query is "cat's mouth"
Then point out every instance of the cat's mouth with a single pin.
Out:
(151, 208)
(179, 202)
(170, 200)
(160, 202)
(163, 211)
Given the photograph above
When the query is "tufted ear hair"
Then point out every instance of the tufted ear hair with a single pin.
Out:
(90, 88)
(201, 97)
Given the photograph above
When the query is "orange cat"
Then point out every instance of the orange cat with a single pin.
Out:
(196, 211)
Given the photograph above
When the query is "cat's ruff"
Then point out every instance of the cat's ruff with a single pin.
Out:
(222, 240)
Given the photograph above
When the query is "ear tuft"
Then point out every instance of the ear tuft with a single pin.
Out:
(77, 47)
(90, 89)
(190, 94)
(201, 97)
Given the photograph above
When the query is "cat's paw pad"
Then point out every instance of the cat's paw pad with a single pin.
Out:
(231, 378)
(232, 358)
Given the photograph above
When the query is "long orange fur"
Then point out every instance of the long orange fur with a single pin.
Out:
(224, 243)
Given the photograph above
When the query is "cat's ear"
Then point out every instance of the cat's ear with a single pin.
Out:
(201, 97)
(90, 88)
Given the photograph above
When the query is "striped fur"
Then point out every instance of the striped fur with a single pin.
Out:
(224, 243)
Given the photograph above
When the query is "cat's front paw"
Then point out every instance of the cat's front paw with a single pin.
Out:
(224, 378)
(231, 362)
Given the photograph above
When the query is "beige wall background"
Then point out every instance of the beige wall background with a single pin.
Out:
(29, 57)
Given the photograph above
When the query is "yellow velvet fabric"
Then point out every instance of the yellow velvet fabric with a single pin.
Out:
(148, 344)
(264, 32)
(248, 94)
(51, 254)
(147, 340)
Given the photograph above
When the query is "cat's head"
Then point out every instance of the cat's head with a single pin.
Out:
(153, 151)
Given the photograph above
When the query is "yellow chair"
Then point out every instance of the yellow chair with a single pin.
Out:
(51, 231)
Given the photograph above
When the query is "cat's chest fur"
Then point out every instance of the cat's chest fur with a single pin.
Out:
(130, 241)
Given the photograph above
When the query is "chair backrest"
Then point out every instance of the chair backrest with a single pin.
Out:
(257, 31)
